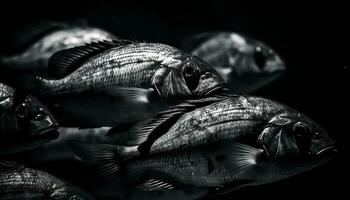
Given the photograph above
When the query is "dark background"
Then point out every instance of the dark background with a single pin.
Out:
(312, 39)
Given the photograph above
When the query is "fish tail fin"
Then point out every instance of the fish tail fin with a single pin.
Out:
(105, 157)
(25, 82)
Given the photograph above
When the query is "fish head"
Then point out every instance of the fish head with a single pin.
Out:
(292, 143)
(33, 118)
(189, 78)
(209, 81)
(250, 63)
(286, 145)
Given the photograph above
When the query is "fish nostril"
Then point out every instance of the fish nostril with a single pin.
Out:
(207, 75)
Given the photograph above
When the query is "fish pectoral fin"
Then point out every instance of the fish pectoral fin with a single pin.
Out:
(105, 157)
(155, 185)
(157, 181)
(240, 157)
(132, 94)
(64, 62)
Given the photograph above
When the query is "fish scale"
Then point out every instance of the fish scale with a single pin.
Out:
(225, 115)
(6, 96)
(21, 179)
(128, 72)
(188, 167)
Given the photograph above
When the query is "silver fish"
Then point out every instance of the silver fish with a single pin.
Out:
(25, 123)
(19, 182)
(34, 59)
(122, 83)
(6, 96)
(235, 142)
(244, 63)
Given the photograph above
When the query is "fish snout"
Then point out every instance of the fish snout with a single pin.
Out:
(210, 83)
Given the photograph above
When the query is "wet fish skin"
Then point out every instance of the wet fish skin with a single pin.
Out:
(240, 140)
(138, 78)
(24, 122)
(140, 65)
(19, 182)
(245, 64)
(35, 58)
(6, 96)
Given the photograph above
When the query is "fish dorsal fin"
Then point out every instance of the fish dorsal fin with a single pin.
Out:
(146, 132)
(161, 123)
(64, 62)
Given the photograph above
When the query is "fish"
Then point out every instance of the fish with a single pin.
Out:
(221, 144)
(49, 38)
(6, 96)
(20, 182)
(25, 123)
(120, 82)
(246, 64)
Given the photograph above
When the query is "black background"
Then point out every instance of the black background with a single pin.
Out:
(312, 39)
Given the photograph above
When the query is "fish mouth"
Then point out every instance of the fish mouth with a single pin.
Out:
(329, 150)
(218, 89)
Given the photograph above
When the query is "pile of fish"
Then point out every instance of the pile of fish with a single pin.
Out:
(146, 120)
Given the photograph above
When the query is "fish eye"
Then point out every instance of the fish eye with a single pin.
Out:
(302, 137)
(191, 75)
(301, 130)
(260, 57)
(21, 111)
(190, 69)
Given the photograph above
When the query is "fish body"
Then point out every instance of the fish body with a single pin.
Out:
(24, 123)
(6, 96)
(34, 59)
(232, 143)
(245, 64)
(19, 182)
(123, 83)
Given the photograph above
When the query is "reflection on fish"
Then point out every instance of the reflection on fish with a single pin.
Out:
(244, 63)
(111, 83)
(18, 182)
(51, 38)
(24, 122)
(6, 96)
(219, 144)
